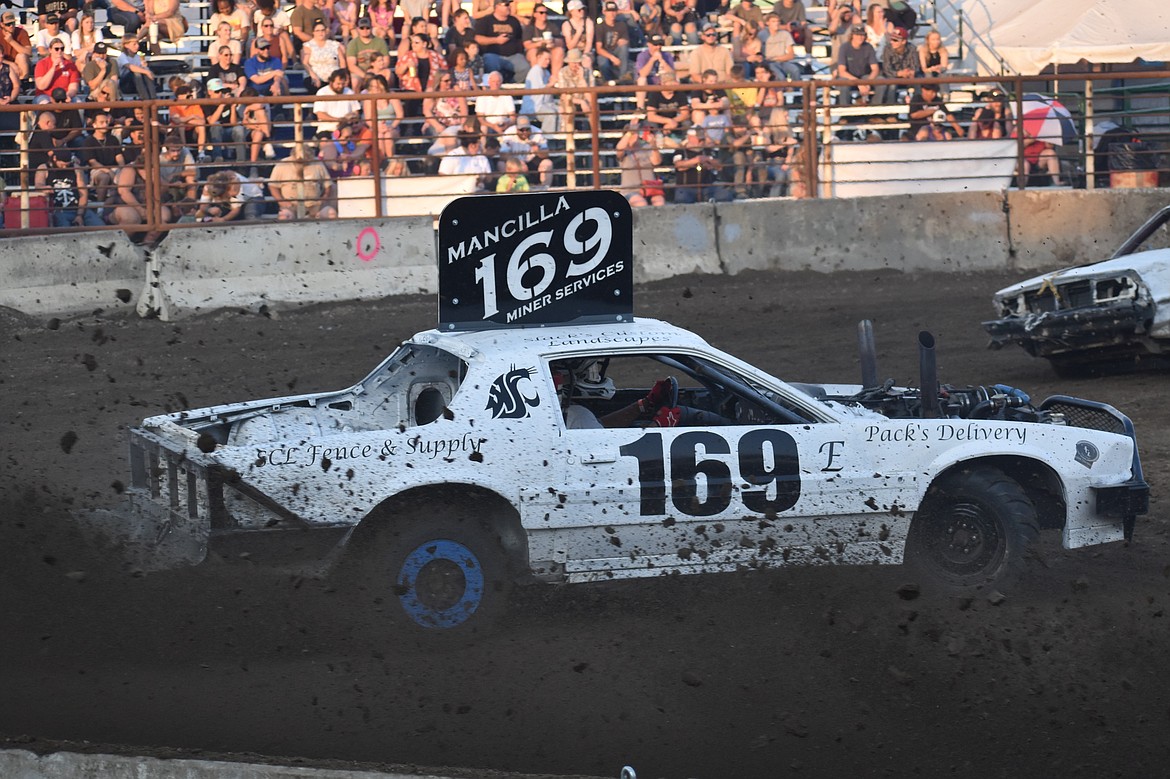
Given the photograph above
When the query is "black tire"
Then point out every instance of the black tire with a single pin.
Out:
(435, 570)
(972, 531)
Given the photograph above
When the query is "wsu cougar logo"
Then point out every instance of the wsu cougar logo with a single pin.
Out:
(505, 400)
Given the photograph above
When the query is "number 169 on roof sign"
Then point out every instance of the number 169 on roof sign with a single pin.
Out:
(535, 260)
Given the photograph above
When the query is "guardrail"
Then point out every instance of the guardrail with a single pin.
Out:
(816, 147)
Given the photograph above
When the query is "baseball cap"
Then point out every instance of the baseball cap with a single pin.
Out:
(365, 22)
(610, 7)
(262, 43)
(575, 4)
(858, 30)
(523, 121)
(216, 85)
(938, 116)
(657, 40)
(931, 86)
(8, 16)
(708, 27)
(52, 19)
(100, 48)
(899, 33)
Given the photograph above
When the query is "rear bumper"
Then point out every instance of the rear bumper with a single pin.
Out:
(1057, 332)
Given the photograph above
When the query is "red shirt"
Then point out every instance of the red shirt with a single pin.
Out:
(68, 74)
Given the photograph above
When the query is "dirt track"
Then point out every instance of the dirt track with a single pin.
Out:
(820, 672)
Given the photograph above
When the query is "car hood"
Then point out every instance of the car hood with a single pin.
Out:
(1152, 266)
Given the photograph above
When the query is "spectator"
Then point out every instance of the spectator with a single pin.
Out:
(342, 154)
(224, 39)
(578, 31)
(460, 66)
(9, 82)
(936, 129)
(627, 14)
(709, 55)
(481, 8)
(445, 115)
(773, 139)
(362, 50)
(304, 18)
(100, 152)
(654, 62)
(132, 143)
(386, 111)
(56, 72)
(134, 76)
(230, 74)
(932, 56)
(52, 32)
(612, 45)
(447, 11)
(83, 39)
(748, 49)
(41, 140)
(265, 73)
(923, 107)
(381, 16)
(101, 75)
(898, 61)
(572, 104)
(381, 67)
(236, 18)
(740, 157)
(778, 52)
(418, 67)
(765, 99)
(177, 175)
(127, 206)
(496, 112)
(69, 123)
(65, 10)
(165, 21)
(652, 20)
(540, 108)
(709, 101)
(345, 17)
(741, 100)
(15, 45)
(796, 166)
(331, 112)
(466, 160)
(638, 155)
(322, 57)
(277, 36)
(541, 35)
(227, 196)
(842, 20)
(696, 168)
(302, 188)
(521, 143)
(876, 28)
(475, 62)
(502, 41)
(419, 26)
(257, 129)
(130, 14)
(992, 119)
(739, 17)
(663, 109)
(415, 9)
(66, 190)
(681, 21)
(513, 179)
(857, 62)
(460, 33)
(793, 19)
(190, 120)
(1041, 163)
(225, 131)
(900, 14)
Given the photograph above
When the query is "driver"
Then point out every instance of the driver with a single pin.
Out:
(582, 380)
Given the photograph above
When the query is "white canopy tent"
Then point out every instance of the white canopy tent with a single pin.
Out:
(1029, 35)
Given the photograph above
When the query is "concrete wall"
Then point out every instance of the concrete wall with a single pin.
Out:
(287, 264)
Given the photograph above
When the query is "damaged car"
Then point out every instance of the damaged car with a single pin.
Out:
(542, 433)
(1107, 314)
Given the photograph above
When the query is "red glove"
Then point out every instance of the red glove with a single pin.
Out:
(659, 394)
(668, 417)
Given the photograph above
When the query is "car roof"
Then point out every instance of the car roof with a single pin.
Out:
(566, 340)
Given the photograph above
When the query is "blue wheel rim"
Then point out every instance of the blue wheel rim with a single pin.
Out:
(441, 551)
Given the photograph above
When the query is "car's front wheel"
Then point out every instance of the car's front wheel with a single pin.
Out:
(972, 531)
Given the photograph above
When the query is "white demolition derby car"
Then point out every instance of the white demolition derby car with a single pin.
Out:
(1108, 313)
(503, 447)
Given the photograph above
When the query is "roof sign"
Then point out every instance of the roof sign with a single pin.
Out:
(535, 260)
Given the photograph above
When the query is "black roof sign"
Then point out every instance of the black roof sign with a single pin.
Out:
(535, 260)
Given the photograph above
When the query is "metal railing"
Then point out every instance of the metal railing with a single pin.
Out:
(822, 142)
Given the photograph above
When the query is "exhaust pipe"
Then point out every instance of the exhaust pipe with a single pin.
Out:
(868, 351)
(928, 375)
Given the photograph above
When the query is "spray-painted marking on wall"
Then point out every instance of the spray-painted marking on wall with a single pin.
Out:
(368, 244)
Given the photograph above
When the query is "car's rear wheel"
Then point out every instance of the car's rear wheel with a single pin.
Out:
(436, 569)
(972, 531)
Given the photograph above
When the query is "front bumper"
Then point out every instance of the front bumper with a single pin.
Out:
(1057, 332)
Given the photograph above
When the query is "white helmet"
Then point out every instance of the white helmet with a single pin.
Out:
(584, 379)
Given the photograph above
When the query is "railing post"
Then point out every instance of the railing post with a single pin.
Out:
(812, 186)
(1021, 163)
(595, 133)
(1090, 158)
(26, 129)
(151, 173)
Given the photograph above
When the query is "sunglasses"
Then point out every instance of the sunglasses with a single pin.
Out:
(266, 24)
(57, 48)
